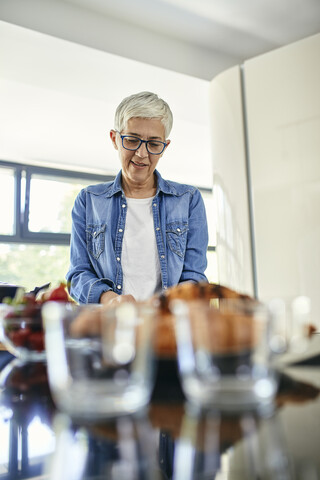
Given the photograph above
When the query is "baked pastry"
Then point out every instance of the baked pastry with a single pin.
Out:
(223, 336)
(201, 290)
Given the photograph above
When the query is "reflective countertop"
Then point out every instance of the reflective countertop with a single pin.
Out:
(169, 440)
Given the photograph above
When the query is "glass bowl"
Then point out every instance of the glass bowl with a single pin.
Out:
(22, 331)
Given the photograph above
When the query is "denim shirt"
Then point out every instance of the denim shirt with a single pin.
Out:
(98, 223)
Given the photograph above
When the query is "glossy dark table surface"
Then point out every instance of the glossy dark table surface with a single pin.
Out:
(169, 440)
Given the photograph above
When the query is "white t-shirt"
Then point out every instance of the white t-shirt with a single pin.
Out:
(140, 261)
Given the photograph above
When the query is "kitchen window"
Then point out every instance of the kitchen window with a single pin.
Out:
(35, 225)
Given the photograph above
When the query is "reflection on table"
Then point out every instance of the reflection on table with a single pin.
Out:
(168, 440)
(26, 411)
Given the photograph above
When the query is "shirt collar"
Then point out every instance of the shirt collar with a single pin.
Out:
(115, 186)
(162, 185)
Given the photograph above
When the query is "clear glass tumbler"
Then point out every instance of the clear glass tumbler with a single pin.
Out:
(224, 354)
(100, 361)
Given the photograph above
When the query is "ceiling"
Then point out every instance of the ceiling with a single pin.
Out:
(200, 38)
(237, 28)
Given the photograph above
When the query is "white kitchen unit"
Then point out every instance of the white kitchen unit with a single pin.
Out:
(266, 118)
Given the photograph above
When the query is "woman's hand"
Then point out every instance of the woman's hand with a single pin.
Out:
(89, 321)
(112, 299)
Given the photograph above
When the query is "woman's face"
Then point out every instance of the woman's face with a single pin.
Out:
(139, 165)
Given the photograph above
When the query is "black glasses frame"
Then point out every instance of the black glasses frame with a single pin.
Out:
(141, 142)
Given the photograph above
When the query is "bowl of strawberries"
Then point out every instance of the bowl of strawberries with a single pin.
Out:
(22, 325)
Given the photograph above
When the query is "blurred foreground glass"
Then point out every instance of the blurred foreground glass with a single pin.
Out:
(21, 331)
(293, 327)
(109, 370)
(224, 354)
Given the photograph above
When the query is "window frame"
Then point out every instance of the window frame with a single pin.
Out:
(22, 206)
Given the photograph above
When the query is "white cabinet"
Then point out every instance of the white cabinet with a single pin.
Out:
(282, 122)
(230, 182)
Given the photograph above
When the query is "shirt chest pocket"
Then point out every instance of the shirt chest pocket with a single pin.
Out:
(95, 239)
(176, 233)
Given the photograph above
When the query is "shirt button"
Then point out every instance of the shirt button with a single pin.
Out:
(119, 287)
(120, 230)
(154, 204)
(162, 256)
(158, 228)
(94, 234)
(123, 205)
(178, 230)
(118, 258)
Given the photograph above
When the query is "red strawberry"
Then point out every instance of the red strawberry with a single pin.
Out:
(59, 294)
(19, 337)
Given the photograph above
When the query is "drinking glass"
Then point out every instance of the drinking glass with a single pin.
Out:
(105, 368)
(224, 355)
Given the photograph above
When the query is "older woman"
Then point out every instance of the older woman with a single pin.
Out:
(139, 234)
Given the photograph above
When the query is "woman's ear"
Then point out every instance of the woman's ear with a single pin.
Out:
(168, 143)
(113, 136)
(165, 148)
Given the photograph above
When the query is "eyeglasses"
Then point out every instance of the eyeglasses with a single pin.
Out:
(129, 142)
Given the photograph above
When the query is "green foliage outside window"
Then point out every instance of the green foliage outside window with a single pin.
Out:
(33, 265)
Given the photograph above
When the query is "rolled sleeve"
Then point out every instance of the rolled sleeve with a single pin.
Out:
(85, 284)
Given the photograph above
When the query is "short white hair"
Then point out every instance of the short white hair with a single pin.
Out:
(143, 105)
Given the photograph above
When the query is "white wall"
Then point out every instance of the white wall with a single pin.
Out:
(283, 111)
(58, 101)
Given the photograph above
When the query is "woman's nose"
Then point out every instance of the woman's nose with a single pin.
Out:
(142, 150)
